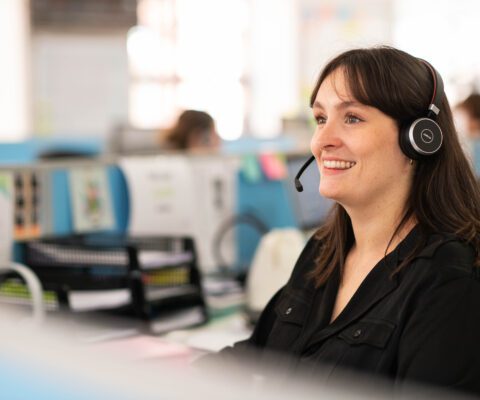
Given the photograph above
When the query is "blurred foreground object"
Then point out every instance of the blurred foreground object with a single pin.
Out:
(47, 362)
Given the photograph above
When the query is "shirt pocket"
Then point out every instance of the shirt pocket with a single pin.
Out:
(291, 313)
(367, 346)
(369, 332)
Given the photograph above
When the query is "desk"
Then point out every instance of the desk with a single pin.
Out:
(215, 335)
(129, 336)
(176, 347)
(49, 362)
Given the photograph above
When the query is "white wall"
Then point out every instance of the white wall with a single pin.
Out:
(15, 123)
(329, 27)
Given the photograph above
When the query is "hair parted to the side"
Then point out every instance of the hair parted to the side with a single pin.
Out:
(444, 197)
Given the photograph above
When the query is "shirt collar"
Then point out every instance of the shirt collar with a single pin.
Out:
(404, 248)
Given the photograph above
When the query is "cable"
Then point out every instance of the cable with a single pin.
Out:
(229, 223)
(34, 286)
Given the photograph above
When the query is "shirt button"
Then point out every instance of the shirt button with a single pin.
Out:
(357, 333)
(288, 310)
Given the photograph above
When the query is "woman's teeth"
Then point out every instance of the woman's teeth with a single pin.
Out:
(338, 164)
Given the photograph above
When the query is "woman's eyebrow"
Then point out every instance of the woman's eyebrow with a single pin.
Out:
(340, 105)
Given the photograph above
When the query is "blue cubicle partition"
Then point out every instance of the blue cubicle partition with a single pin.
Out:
(250, 145)
(269, 202)
(61, 212)
(28, 151)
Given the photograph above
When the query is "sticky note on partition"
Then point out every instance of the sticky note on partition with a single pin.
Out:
(251, 169)
(273, 166)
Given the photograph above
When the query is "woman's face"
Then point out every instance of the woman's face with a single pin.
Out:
(356, 149)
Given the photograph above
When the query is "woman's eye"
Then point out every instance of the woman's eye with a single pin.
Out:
(320, 120)
(352, 119)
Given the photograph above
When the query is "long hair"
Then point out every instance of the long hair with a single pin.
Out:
(444, 197)
(190, 122)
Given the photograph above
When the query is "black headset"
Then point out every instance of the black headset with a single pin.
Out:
(423, 137)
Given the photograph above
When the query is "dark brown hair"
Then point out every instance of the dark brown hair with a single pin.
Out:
(190, 122)
(444, 197)
(472, 105)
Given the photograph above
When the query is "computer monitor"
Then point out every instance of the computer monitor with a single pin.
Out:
(310, 207)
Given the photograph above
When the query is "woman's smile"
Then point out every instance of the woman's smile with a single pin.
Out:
(336, 166)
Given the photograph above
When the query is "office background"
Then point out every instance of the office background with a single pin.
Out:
(98, 79)
(146, 61)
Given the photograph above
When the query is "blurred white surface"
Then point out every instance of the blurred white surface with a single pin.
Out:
(48, 363)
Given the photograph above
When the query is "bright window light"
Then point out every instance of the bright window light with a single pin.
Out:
(15, 121)
(149, 54)
(189, 54)
(225, 100)
(151, 105)
(452, 42)
(210, 38)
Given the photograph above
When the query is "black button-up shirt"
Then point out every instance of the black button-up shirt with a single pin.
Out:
(420, 325)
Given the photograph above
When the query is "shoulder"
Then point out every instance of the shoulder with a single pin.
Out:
(446, 257)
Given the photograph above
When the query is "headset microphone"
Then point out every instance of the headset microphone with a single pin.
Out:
(298, 185)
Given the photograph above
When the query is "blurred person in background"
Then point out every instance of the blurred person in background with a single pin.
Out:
(469, 116)
(388, 285)
(467, 121)
(194, 130)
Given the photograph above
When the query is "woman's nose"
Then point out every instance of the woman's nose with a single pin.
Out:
(325, 137)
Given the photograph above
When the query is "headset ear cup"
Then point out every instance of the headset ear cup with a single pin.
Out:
(421, 138)
(405, 144)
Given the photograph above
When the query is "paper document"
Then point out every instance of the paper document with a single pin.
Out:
(161, 194)
(87, 300)
(142, 347)
(178, 320)
(92, 204)
(152, 259)
(167, 192)
(153, 294)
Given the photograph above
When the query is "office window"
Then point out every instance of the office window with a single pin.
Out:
(15, 121)
(189, 54)
(449, 40)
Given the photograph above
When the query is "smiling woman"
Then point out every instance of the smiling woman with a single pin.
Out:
(352, 143)
(387, 285)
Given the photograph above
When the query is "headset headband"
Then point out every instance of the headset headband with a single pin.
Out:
(437, 95)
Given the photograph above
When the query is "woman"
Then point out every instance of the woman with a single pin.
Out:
(387, 286)
(194, 130)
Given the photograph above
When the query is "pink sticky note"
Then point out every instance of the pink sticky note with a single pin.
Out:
(273, 166)
(143, 347)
